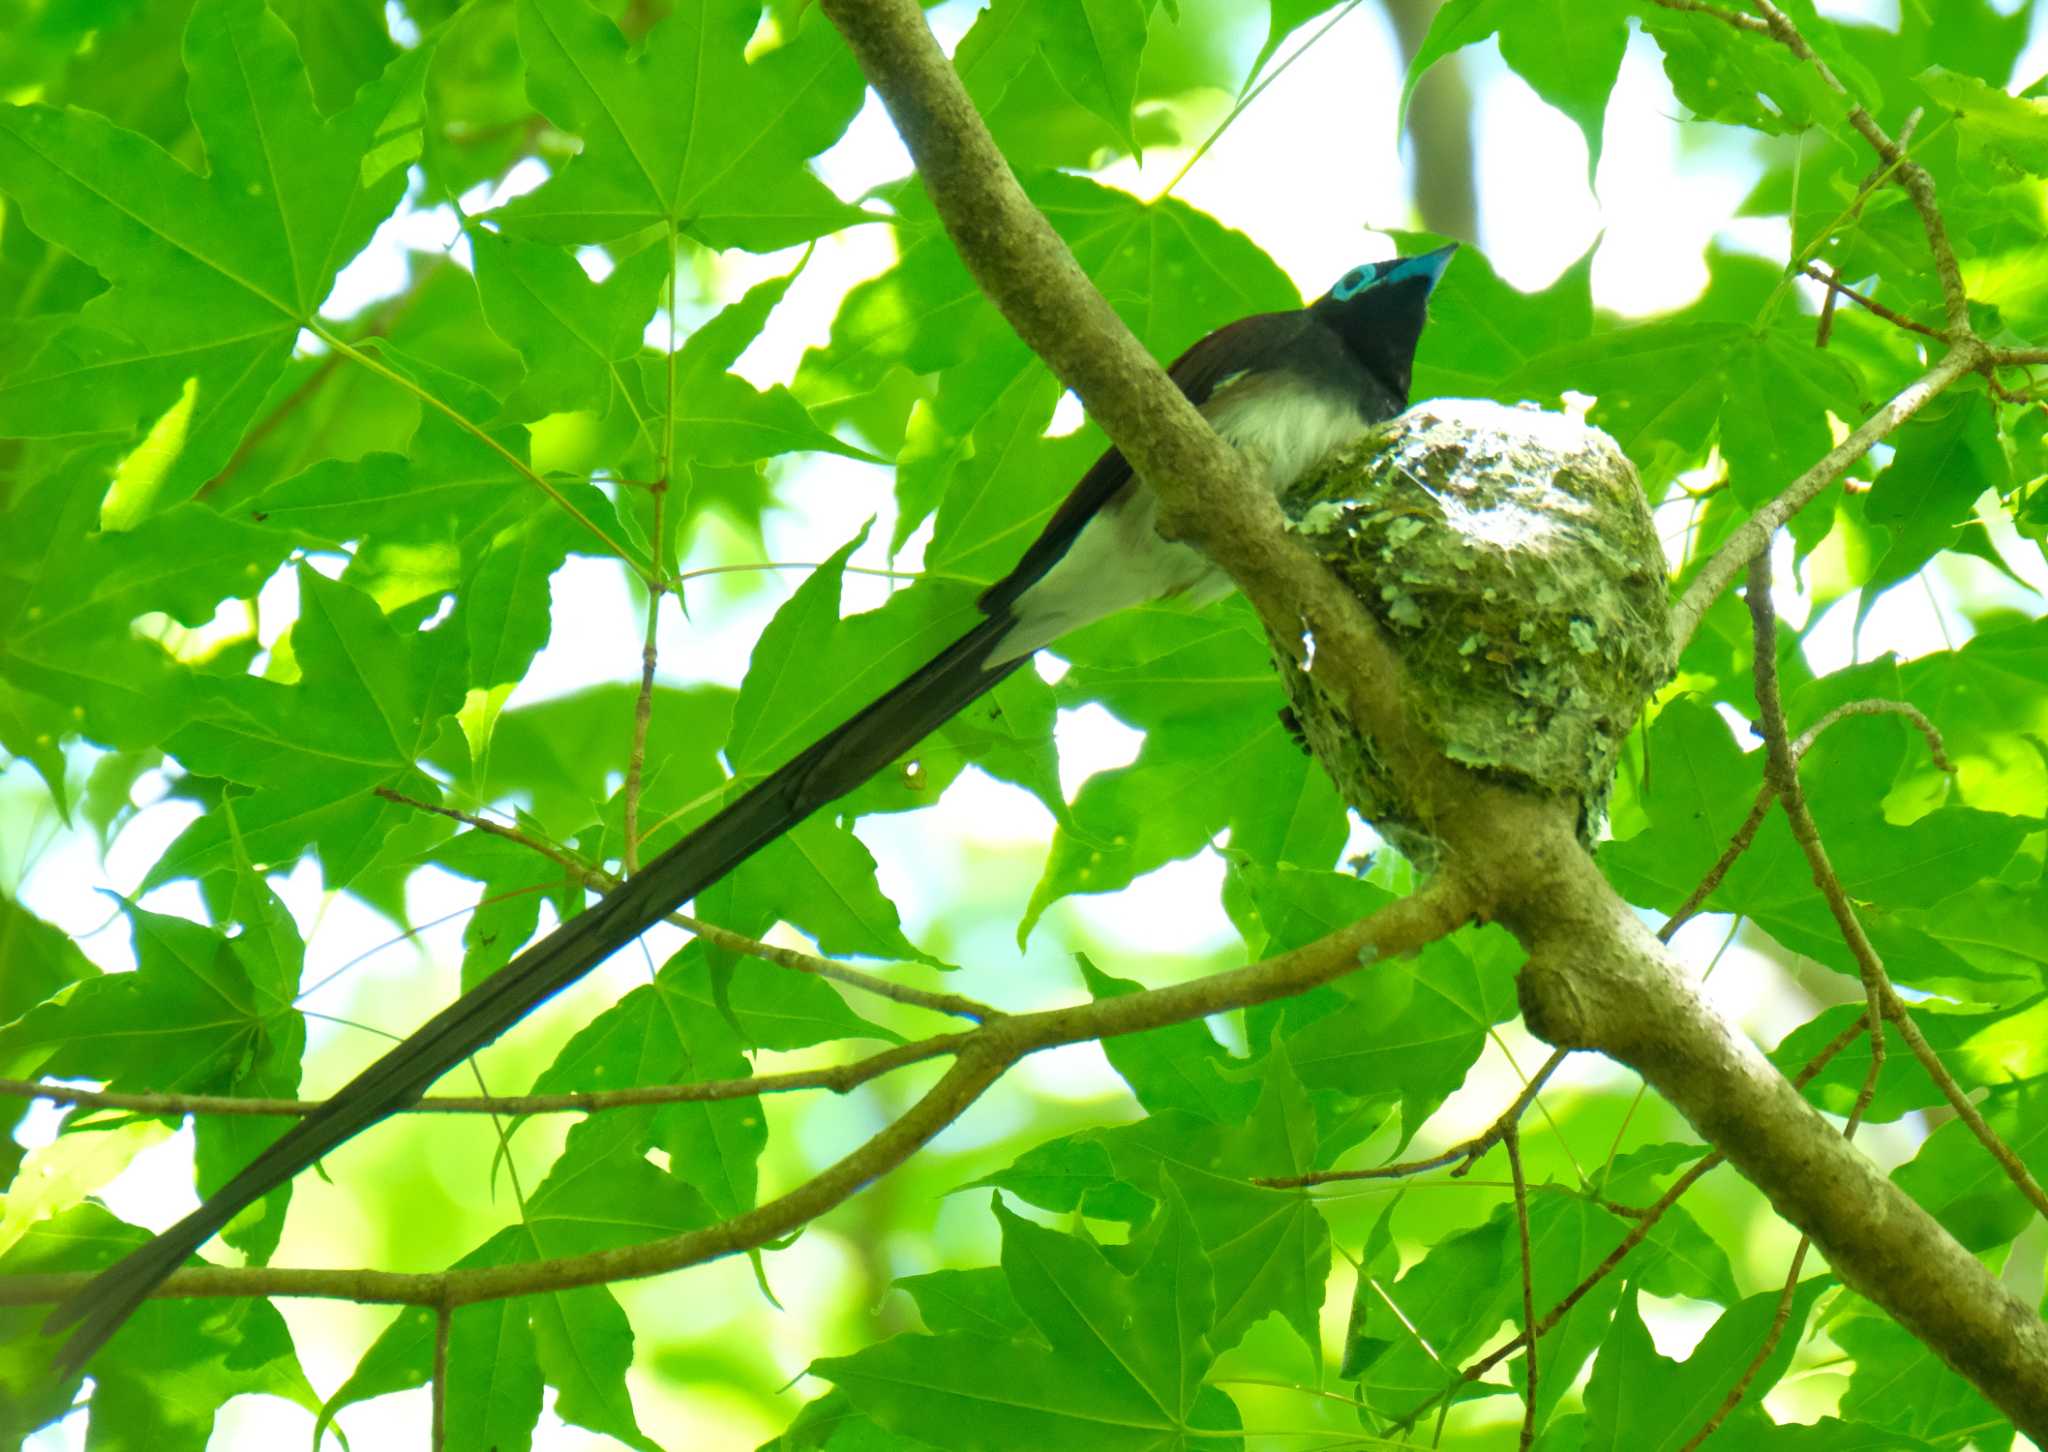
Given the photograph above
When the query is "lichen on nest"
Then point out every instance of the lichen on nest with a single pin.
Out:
(1510, 554)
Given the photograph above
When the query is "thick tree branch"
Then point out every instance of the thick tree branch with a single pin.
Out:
(1596, 978)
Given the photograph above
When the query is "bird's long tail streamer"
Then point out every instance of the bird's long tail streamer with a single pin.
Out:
(834, 766)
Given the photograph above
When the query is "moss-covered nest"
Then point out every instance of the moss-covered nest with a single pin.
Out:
(1510, 554)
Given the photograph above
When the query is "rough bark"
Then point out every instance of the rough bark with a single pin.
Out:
(1596, 978)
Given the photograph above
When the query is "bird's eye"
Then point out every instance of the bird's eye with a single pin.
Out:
(1350, 284)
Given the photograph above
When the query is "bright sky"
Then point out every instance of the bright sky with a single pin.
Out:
(1662, 194)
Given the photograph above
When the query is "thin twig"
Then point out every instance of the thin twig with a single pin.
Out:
(958, 1005)
(1737, 845)
(1825, 328)
(643, 704)
(752, 567)
(1747, 23)
(838, 1078)
(1646, 1221)
(443, 1317)
(1864, 1095)
(1834, 285)
(1468, 1150)
(1511, 1141)
(1878, 706)
(1781, 775)
(575, 867)
(1883, 1003)
(1764, 1349)
(1900, 1017)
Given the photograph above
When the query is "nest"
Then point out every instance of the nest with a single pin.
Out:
(1510, 554)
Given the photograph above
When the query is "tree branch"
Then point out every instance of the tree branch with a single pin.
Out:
(982, 1056)
(1511, 1139)
(1596, 978)
(1731, 18)
(1871, 305)
(443, 1321)
(1907, 172)
(1646, 1220)
(839, 1078)
(1468, 1150)
(1735, 553)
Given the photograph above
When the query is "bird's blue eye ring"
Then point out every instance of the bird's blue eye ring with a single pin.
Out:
(1352, 283)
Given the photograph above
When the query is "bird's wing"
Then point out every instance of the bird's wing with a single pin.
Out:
(1242, 346)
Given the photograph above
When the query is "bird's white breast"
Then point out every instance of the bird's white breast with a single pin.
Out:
(1282, 426)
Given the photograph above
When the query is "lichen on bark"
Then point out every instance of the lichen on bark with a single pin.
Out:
(1511, 556)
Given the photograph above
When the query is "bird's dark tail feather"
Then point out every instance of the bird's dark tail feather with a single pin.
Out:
(832, 767)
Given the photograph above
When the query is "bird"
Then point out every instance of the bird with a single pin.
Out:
(1285, 388)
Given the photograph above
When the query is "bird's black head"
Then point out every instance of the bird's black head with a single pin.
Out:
(1379, 309)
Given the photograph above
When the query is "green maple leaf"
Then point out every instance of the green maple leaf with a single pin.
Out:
(1180, 1066)
(1093, 47)
(366, 707)
(1173, 274)
(1269, 1249)
(169, 1370)
(681, 1029)
(1215, 755)
(201, 1014)
(662, 144)
(719, 417)
(190, 1019)
(601, 1194)
(577, 337)
(1639, 1399)
(1569, 53)
(212, 275)
(1118, 1360)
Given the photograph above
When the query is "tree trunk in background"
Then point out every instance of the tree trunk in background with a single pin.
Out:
(1440, 130)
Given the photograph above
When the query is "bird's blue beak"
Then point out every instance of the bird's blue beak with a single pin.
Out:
(1429, 267)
